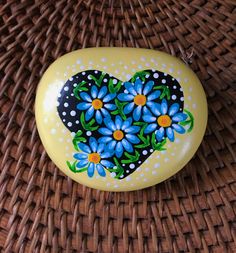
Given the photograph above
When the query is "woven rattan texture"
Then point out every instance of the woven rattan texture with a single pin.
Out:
(41, 210)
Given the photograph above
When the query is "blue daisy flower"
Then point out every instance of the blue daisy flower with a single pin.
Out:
(119, 135)
(165, 121)
(94, 157)
(97, 102)
(139, 97)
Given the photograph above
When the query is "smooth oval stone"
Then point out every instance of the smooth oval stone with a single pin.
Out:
(120, 119)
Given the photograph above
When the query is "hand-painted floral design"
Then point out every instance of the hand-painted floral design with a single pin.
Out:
(117, 125)
(139, 96)
(119, 135)
(93, 156)
(165, 121)
(97, 102)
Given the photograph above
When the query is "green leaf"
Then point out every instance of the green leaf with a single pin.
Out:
(87, 126)
(165, 91)
(80, 87)
(131, 158)
(98, 81)
(141, 75)
(119, 170)
(189, 121)
(112, 88)
(77, 139)
(72, 167)
(120, 107)
(158, 146)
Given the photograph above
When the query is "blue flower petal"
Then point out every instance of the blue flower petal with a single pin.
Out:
(128, 108)
(179, 117)
(150, 128)
(148, 87)
(110, 124)
(90, 170)
(107, 164)
(109, 97)
(154, 95)
(155, 108)
(105, 131)
(89, 113)
(100, 148)
(118, 122)
(82, 164)
(85, 96)
(179, 129)
(93, 144)
(98, 117)
(111, 145)
(85, 148)
(173, 109)
(149, 119)
(83, 106)
(125, 97)
(110, 107)
(170, 134)
(105, 113)
(138, 86)
(126, 123)
(137, 113)
(164, 106)
(146, 111)
(119, 149)
(94, 91)
(104, 139)
(132, 138)
(107, 154)
(80, 156)
(128, 147)
(160, 134)
(130, 87)
(132, 130)
(102, 92)
(100, 170)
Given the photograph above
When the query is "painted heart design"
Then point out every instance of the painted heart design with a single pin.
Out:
(117, 125)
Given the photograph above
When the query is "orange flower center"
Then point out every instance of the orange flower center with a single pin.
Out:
(94, 158)
(118, 135)
(140, 100)
(164, 121)
(97, 104)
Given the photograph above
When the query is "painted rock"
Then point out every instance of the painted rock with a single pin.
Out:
(120, 119)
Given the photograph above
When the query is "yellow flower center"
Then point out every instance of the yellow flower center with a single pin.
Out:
(94, 158)
(140, 100)
(118, 135)
(164, 121)
(97, 104)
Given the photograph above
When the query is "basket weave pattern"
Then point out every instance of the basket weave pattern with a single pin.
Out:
(42, 210)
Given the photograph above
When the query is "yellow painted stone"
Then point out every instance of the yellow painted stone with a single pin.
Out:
(120, 119)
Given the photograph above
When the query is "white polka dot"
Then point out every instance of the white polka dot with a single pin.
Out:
(174, 87)
(66, 88)
(75, 84)
(154, 172)
(105, 80)
(194, 106)
(155, 75)
(83, 73)
(59, 95)
(147, 76)
(63, 120)
(125, 91)
(173, 97)
(128, 76)
(163, 81)
(72, 134)
(132, 166)
(103, 59)
(115, 81)
(113, 174)
(77, 122)
(57, 103)
(81, 67)
(139, 162)
(66, 104)
(95, 71)
(78, 61)
(144, 152)
(151, 150)
(157, 165)
(171, 70)
(127, 178)
(69, 124)
(146, 169)
(88, 133)
(89, 77)
(53, 131)
(64, 113)
(71, 78)
(182, 99)
(189, 97)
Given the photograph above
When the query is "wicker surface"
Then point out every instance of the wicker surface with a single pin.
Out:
(41, 210)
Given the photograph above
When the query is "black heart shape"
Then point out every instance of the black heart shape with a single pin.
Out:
(69, 98)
